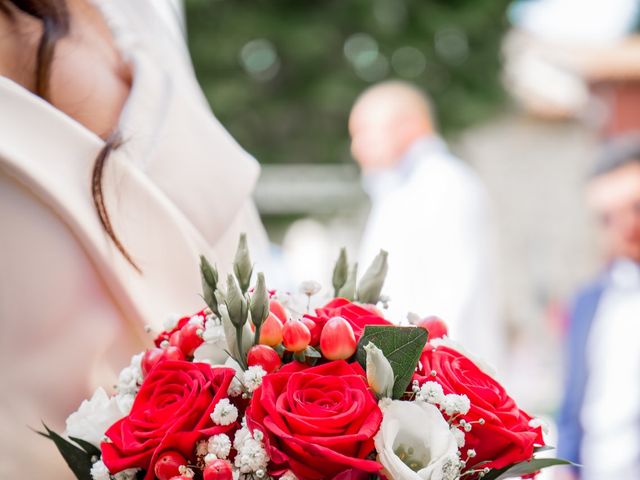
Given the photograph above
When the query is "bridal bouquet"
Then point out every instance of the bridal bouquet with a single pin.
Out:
(261, 386)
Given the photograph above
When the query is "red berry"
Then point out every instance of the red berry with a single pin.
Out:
(190, 338)
(218, 470)
(337, 340)
(154, 355)
(168, 465)
(271, 331)
(174, 339)
(435, 326)
(278, 310)
(313, 329)
(295, 336)
(264, 356)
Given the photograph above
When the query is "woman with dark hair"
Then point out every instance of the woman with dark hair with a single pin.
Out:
(114, 176)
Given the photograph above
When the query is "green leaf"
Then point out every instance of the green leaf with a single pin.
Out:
(78, 460)
(542, 448)
(90, 448)
(311, 352)
(402, 346)
(524, 468)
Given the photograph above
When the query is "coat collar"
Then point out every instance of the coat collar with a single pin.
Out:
(172, 190)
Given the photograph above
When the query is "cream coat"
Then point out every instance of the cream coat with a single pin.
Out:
(72, 310)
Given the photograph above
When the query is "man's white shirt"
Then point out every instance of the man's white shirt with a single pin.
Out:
(611, 411)
(431, 214)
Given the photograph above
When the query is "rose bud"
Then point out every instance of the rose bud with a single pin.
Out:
(218, 470)
(314, 329)
(271, 331)
(278, 310)
(337, 340)
(264, 356)
(154, 355)
(380, 375)
(168, 465)
(296, 336)
(435, 326)
(190, 338)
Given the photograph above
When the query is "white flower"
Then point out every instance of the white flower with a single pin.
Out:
(310, 287)
(202, 448)
(417, 432)
(219, 445)
(539, 422)
(128, 474)
(251, 457)
(94, 417)
(171, 322)
(99, 471)
(125, 402)
(454, 404)
(483, 365)
(459, 436)
(130, 377)
(253, 377)
(224, 413)
(212, 350)
(235, 387)
(288, 475)
(450, 469)
(242, 435)
(431, 392)
(379, 372)
(196, 320)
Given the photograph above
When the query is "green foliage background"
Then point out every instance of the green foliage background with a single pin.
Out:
(300, 114)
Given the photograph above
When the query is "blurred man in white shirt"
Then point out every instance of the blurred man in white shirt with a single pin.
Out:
(430, 212)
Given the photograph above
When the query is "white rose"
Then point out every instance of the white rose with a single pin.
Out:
(417, 432)
(94, 417)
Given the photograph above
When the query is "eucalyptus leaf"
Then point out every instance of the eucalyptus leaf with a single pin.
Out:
(525, 468)
(340, 272)
(348, 290)
(402, 346)
(371, 283)
(77, 459)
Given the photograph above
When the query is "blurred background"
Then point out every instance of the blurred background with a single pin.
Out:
(527, 116)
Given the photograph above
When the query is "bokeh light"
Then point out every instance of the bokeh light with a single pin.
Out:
(260, 59)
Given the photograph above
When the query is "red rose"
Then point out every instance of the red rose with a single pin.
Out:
(357, 315)
(171, 412)
(505, 437)
(318, 422)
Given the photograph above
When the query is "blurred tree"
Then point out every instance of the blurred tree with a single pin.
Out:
(282, 75)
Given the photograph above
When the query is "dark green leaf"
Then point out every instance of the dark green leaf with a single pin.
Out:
(400, 345)
(86, 446)
(311, 352)
(78, 460)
